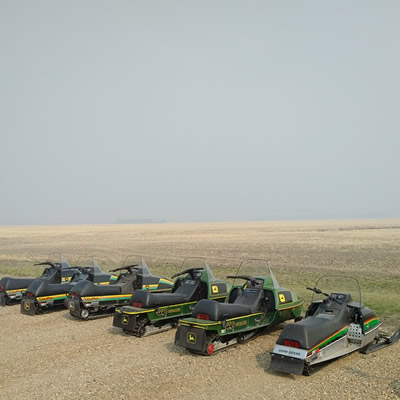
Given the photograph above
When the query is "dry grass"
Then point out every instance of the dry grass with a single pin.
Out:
(298, 252)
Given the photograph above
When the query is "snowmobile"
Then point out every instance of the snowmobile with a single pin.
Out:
(12, 289)
(88, 301)
(42, 294)
(335, 324)
(252, 307)
(150, 313)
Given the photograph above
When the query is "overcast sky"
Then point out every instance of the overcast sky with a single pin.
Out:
(198, 110)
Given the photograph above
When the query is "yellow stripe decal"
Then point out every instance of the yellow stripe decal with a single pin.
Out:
(291, 305)
(51, 297)
(113, 296)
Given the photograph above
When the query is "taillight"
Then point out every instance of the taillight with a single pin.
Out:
(203, 316)
(291, 343)
(210, 349)
(29, 294)
(73, 294)
(139, 305)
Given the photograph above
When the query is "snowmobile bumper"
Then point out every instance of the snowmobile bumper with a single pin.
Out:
(28, 306)
(192, 339)
(286, 364)
(127, 322)
(2, 299)
(73, 305)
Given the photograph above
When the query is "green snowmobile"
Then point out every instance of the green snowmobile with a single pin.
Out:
(250, 309)
(156, 312)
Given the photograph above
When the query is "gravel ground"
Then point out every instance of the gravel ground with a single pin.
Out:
(54, 356)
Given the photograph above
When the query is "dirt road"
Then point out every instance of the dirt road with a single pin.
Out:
(52, 356)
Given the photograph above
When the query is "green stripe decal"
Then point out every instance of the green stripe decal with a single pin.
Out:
(370, 323)
(329, 339)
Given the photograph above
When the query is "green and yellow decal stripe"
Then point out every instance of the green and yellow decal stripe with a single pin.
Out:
(15, 291)
(146, 310)
(293, 305)
(166, 281)
(370, 323)
(54, 297)
(108, 297)
(197, 323)
(329, 339)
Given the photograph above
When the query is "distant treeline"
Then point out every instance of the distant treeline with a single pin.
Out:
(138, 221)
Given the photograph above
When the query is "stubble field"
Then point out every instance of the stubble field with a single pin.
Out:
(54, 356)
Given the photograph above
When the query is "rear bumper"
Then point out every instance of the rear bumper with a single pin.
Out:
(288, 365)
(193, 339)
(127, 322)
(73, 305)
(2, 299)
(28, 306)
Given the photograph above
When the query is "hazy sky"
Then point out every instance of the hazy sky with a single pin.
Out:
(198, 110)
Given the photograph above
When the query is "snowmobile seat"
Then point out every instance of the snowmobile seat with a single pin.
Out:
(15, 283)
(245, 304)
(330, 318)
(183, 294)
(52, 289)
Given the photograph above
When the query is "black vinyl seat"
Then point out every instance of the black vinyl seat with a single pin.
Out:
(183, 294)
(329, 318)
(52, 289)
(247, 303)
(15, 283)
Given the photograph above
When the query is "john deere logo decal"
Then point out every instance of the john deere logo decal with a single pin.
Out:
(282, 298)
(125, 319)
(191, 338)
(214, 288)
(27, 305)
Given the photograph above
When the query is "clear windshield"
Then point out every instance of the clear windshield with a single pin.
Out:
(58, 258)
(253, 267)
(89, 262)
(197, 263)
(337, 284)
(137, 260)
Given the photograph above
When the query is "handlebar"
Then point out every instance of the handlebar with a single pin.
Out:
(187, 271)
(47, 263)
(245, 277)
(317, 291)
(127, 267)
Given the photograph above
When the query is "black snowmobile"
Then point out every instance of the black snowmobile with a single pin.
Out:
(87, 300)
(336, 325)
(12, 289)
(44, 294)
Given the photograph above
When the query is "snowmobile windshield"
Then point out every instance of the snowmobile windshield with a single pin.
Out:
(139, 261)
(251, 268)
(58, 260)
(339, 288)
(86, 267)
(196, 263)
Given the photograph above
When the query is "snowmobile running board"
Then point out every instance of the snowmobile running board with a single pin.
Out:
(383, 342)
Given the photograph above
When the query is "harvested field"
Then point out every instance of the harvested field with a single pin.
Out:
(53, 356)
